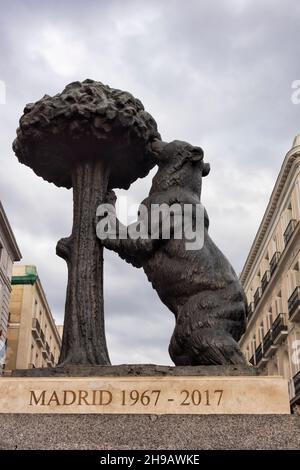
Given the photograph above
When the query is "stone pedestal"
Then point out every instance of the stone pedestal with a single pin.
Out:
(129, 432)
(146, 407)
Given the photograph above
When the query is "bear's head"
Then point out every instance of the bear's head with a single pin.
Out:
(179, 164)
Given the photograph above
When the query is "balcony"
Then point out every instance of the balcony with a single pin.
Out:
(250, 310)
(274, 261)
(296, 379)
(42, 338)
(296, 399)
(257, 296)
(268, 344)
(46, 351)
(294, 305)
(36, 328)
(258, 355)
(289, 231)
(279, 329)
(37, 332)
(50, 359)
(276, 334)
(265, 281)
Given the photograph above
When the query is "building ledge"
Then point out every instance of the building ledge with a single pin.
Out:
(27, 279)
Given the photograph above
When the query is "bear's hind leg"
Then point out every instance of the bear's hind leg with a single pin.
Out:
(213, 346)
(204, 346)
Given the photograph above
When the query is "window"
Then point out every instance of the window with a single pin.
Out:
(9, 267)
(247, 353)
(290, 224)
(269, 318)
(285, 367)
(35, 307)
(261, 332)
(295, 277)
(265, 263)
(4, 258)
(288, 214)
(1, 297)
(274, 244)
(32, 353)
(278, 303)
(253, 344)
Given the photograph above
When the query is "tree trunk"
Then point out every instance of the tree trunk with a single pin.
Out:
(84, 334)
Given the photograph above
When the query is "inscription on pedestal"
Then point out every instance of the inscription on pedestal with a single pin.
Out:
(145, 395)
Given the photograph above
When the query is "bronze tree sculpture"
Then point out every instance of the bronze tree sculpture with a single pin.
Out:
(92, 138)
(200, 287)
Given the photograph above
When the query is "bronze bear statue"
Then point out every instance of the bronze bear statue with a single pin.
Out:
(199, 286)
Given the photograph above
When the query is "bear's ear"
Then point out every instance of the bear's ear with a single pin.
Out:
(196, 154)
(206, 169)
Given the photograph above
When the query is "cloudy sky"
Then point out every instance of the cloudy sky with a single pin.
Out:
(215, 73)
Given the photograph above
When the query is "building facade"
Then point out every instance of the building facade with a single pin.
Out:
(33, 339)
(9, 252)
(60, 329)
(271, 280)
